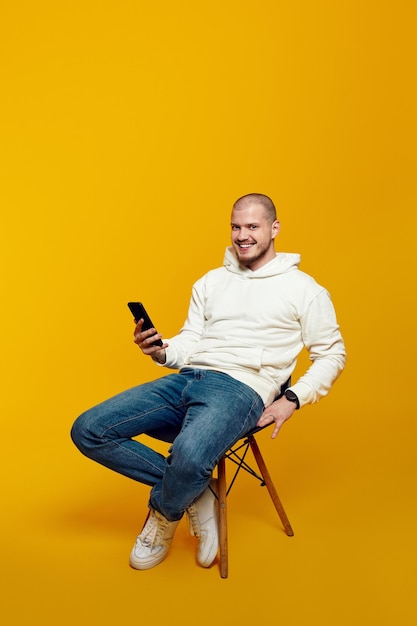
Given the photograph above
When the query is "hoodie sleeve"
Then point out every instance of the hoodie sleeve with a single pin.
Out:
(180, 346)
(322, 338)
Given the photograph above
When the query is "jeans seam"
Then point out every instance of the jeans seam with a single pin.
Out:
(136, 417)
(137, 456)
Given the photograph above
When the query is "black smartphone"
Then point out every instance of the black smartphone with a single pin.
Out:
(139, 312)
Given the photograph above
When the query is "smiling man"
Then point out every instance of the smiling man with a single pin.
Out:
(254, 228)
(247, 322)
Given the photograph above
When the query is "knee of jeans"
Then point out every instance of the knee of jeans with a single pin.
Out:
(82, 434)
(76, 432)
(190, 465)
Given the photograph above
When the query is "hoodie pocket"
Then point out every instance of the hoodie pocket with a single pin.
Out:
(211, 354)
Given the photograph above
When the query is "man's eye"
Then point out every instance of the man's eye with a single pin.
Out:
(253, 227)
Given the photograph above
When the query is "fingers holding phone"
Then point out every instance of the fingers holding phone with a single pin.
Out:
(146, 335)
(149, 340)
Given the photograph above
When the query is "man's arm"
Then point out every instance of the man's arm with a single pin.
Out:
(180, 345)
(322, 338)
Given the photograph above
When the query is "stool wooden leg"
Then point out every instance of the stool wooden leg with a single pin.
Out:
(222, 497)
(270, 486)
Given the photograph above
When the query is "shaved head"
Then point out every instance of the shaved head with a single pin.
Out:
(260, 199)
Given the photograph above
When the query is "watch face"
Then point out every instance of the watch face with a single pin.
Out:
(290, 395)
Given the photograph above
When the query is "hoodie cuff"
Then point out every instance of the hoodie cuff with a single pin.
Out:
(170, 358)
(304, 393)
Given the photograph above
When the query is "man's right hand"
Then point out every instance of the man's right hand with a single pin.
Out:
(145, 339)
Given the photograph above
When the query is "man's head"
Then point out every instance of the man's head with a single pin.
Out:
(254, 228)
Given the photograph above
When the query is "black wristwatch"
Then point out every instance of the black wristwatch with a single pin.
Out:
(292, 397)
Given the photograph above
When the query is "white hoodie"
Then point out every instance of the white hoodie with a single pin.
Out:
(253, 324)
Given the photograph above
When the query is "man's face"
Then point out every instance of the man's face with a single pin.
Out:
(253, 236)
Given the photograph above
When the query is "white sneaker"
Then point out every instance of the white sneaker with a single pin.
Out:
(153, 543)
(203, 518)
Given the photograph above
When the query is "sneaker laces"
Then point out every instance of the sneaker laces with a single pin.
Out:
(193, 517)
(153, 531)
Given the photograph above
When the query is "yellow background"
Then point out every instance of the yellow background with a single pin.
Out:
(128, 129)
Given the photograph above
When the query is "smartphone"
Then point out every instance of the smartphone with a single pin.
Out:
(139, 312)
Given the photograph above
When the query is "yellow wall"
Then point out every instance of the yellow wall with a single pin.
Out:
(127, 131)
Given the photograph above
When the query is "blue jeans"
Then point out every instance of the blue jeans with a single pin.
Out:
(201, 412)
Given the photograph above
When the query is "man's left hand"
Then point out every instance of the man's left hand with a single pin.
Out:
(279, 412)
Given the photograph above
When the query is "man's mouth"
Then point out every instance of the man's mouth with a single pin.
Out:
(245, 246)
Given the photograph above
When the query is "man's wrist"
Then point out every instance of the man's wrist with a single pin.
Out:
(160, 357)
(292, 397)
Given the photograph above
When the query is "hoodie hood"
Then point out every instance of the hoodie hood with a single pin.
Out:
(283, 262)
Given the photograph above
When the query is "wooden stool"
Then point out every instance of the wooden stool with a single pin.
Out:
(237, 455)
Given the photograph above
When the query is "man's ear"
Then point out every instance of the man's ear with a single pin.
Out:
(276, 226)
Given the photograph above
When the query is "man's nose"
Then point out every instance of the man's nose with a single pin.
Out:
(243, 234)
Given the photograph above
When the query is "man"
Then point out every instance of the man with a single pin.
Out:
(246, 324)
